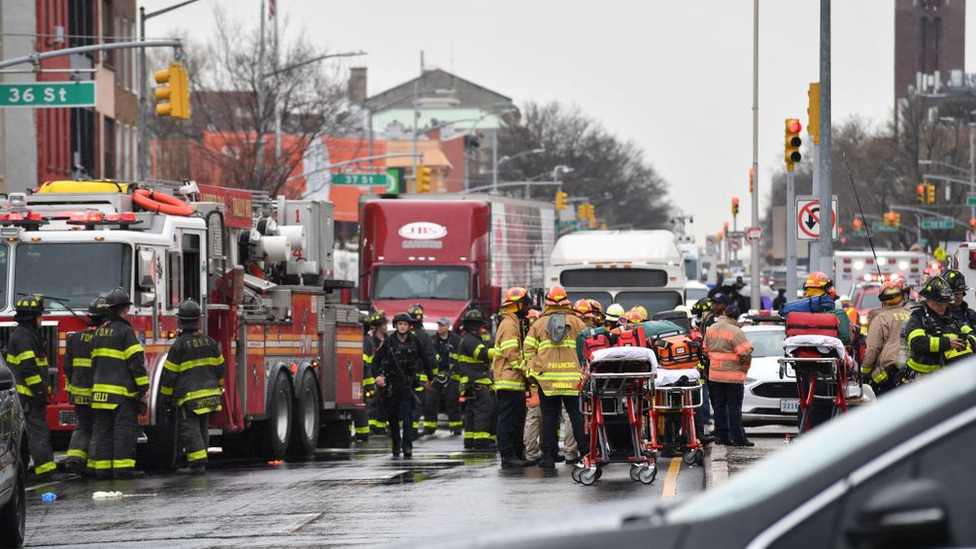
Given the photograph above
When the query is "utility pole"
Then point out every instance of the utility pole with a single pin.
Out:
(813, 128)
(416, 115)
(791, 235)
(754, 247)
(826, 185)
(260, 117)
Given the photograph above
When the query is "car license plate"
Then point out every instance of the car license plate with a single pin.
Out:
(789, 405)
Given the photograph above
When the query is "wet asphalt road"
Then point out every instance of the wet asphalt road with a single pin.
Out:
(360, 496)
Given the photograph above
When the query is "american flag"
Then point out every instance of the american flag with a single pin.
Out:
(271, 9)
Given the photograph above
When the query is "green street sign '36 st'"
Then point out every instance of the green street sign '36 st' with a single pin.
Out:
(48, 94)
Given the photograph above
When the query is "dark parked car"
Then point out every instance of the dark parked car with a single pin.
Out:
(898, 473)
(13, 463)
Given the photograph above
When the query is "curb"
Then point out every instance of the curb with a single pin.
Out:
(716, 466)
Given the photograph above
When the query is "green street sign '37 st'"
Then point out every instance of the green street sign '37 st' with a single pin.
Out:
(48, 94)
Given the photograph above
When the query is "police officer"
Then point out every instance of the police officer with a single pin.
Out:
(398, 363)
(193, 377)
(78, 375)
(476, 383)
(959, 309)
(360, 419)
(28, 361)
(935, 338)
(445, 389)
(508, 369)
(374, 409)
(416, 313)
(120, 382)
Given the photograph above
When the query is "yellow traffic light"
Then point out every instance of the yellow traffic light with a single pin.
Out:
(423, 179)
(561, 198)
(930, 194)
(581, 211)
(735, 205)
(603, 226)
(592, 223)
(921, 192)
(792, 143)
(173, 99)
(813, 112)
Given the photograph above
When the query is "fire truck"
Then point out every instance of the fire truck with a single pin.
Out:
(260, 267)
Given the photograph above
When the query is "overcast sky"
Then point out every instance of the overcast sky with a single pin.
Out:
(675, 77)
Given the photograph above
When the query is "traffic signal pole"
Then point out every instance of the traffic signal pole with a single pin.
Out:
(826, 186)
(791, 235)
(754, 268)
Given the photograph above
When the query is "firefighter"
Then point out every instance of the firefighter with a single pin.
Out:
(398, 364)
(360, 419)
(584, 311)
(120, 383)
(730, 356)
(959, 309)
(78, 379)
(935, 338)
(27, 359)
(882, 360)
(550, 355)
(533, 414)
(416, 313)
(612, 318)
(475, 358)
(374, 409)
(193, 377)
(445, 390)
(507, 370)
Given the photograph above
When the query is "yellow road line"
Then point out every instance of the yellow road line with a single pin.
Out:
(671, 480)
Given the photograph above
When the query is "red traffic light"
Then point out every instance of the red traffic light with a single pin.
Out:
(794, 126)
(972, 223)
(735, 200)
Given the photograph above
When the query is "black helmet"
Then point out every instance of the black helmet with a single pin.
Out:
(936, 289)
(416, 312)
(473, 316)
(117, 298)
(401, 317)
(98, 306)
(30, 305)
(378, 318)
(189, 310)
(956, 281)
(701, 307)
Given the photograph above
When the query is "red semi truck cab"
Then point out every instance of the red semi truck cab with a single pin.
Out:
(451, 252)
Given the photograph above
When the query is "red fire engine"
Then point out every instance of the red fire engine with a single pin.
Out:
(261, 268)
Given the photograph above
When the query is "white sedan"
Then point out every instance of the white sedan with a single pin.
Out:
(767, 398)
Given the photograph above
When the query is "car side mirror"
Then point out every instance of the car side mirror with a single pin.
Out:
(6, 378)
(914, 514)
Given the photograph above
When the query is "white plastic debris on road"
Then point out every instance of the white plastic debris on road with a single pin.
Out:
(106, 495)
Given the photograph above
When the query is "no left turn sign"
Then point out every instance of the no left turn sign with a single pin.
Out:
(808, 216)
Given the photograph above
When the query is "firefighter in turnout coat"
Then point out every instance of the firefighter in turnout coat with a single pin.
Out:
(78, 378)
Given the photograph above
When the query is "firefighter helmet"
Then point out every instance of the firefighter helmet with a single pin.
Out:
(615, 311)
(701, 307)
(845, 300)
(189, 310)
(473, 316)
(378, 318)
(595, 305)
(30, 305)
(515, 294)
(936, 289)
(818, 280)
(956, 281)
(641, 311)
(582, 307)
(416, 312)
(557, 296)
(401, 317)
(533, 315)
(118, 298)
(890, 291)
(98, 306)
(633, 316)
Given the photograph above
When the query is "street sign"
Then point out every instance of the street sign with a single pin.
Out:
(938, 224)
(48, 94)
(385, 180)
(735, 243)
(735, 234)
(971, 200)
(808, 218)
(754, 234)
(882, 228)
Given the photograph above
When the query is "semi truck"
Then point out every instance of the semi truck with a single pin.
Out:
(260, 267)
(451, 252)
(626, 267)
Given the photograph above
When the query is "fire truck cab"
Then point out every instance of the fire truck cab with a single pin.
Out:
(261, 269)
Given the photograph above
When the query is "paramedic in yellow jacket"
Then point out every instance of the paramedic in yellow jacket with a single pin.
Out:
(507, 371)
(550, 356)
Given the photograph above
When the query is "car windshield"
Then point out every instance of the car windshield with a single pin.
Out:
(72, 273)
(429, 282)
(869, 299)
(654, 302)
(765, 342)
(855, 431)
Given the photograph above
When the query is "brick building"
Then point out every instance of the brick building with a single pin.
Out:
(42, 144)
(930, 43)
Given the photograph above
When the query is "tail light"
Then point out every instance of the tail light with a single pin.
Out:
(972, 259)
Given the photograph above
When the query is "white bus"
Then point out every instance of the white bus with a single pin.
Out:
(626, 267)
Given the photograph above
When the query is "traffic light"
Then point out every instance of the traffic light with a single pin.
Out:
(813, 112)
(857, 224)
(423, 179)
(735, 205)
(725, 228)
(793, 142)
(591, 213)
(592, 223)
(752, 180)
(972, 224)
(561, 200)
(173, 97)
(921, 193)
(930, 194)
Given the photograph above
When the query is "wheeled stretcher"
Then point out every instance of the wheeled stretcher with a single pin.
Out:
(822, 369)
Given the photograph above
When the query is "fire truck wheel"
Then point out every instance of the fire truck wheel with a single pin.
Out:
(305, 421)
(277, 428)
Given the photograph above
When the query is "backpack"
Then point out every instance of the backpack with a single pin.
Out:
(818, 304)
(635, 337)
(595, 340)
(678, 352)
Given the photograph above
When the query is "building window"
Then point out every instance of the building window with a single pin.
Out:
(135, 152)
(108, 31)
(108, 149)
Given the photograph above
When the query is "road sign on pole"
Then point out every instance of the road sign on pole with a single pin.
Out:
(48, 95)
(938, 224)
(385, 180)
(754, 234)
(971, 200)
(808, 217)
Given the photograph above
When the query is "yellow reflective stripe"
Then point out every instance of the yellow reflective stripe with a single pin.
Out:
(881, 378)
(934, 344)
(198, 394)
(367, 359)
(560, 375)
(196, 456)
(209, 361)
(78, 391)
(369, 380)
(113, 390)
(80, 454)
(103, 464)
(17, 359)
(33, 380)
(44, 467)
(952, 353)
(508, 344)
(107, 353)
(142, 380)
(532, 342)
(24, 390)
(81, 363)
(41, 362)
(172, 366)
(923, 368)
(137, 348)
(123, 463)
(468, 360)
(166, 391)
(507, 385)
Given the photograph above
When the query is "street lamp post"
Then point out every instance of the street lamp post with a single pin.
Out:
(507, 158)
